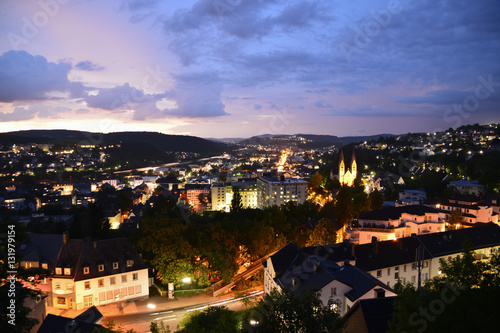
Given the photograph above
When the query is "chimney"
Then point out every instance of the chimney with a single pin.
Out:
(375, 244)
(65, 238)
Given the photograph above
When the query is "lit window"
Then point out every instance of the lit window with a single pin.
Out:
(112, 280)
(58, 286)
(45, 266)
(86, 270)
(130, 263)
(135, 277)
(87, 285)
(115, 265)
(69, 286)
(124, 278)
(101, 268)
(67, 271)
(58, 270)
(100, 283)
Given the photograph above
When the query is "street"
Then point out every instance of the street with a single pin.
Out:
(140, 322)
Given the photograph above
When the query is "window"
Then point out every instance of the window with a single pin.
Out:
(67, 271)
(69, 286)
(123, 292)
(58, 286)
(130, 263)
(388, 284)
(87, 301)
(404, 268)
(124, 279)
(112, 280)
(379, 273)
(61, 301)
(333, 291)
(414, 266)
(109, 295)
(115, 265)
(58, 270)
(426, 264)
(101, 268)
(102, 297)
(100, 282)
(138, 289)
(389, 271)
(87, 285)
(413, 279)
(131, 290)
(135, 277)
(86, 270)
(45, 266)
(116, 293)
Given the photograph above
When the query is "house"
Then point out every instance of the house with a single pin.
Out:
(412, 197)
(370, 316)
(396, 222)
(467, 187)
(472, 210)
(395, 260)
(278, 191)
(222, 194)
(98, 272)
(339, 284)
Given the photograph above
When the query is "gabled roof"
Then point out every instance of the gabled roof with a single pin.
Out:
(282, 259)
(91, 315)
(78, 254)
(42, 247)
(53, 323)
(376, 312)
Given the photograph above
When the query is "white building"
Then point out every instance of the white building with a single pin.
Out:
(317, 269)
(467, 187)
(222, 195)
(391, 261)
(396, 222)
(274, 191)
(472, 211)
(98, 272)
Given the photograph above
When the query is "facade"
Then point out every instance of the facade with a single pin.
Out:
(472, 211)
(278, 191)
(396, 222)
(222, 194)
(193, 192)
(412, 197)
(468, 187)
(340, 284)
(347, 177)
(390, 261)
(100, 272)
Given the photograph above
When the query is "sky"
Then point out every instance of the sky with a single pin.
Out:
(238, 68)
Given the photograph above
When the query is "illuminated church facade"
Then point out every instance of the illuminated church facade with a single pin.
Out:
(347, 177)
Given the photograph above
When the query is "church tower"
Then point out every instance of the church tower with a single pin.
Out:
(354, 165)
(341, 167)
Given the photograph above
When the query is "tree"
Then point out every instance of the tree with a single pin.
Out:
(316, 181)
(343, 205)
(376, 200)
(323, 234)
(236, 204)
(456, 218)
(159, 328)
(211, 320)
(283, 311)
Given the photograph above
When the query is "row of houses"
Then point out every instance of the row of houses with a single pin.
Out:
(345, 273)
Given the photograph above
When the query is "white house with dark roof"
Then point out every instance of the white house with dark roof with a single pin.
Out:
(320, 269)
(472, 210)
(99, 272)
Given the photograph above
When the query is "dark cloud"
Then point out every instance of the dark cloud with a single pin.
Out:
(87, 65)
(27, 77)
(322, 104)
(21, 113)
(118, 97)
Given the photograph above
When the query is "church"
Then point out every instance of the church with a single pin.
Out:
(346, 177)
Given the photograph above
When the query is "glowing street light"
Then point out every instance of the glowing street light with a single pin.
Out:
(151, 306)
(186, 280)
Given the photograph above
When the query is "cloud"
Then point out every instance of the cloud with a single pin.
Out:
(322, 104)
(87, 65)
(26, 113)
(27, 77)
(118, 97)
(257, 107)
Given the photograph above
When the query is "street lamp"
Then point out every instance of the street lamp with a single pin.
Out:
(151, 306)
(186, 280)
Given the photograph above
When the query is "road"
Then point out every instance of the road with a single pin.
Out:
(140, 321)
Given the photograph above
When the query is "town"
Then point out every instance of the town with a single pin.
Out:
(104, 226)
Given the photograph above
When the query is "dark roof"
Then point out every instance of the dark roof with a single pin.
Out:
(42, 248)
(91, 315)
(395, 213)
(377, 313)
(310, 269)
(53, 324)
(78, 254)
(402, 251)
(284, 257)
